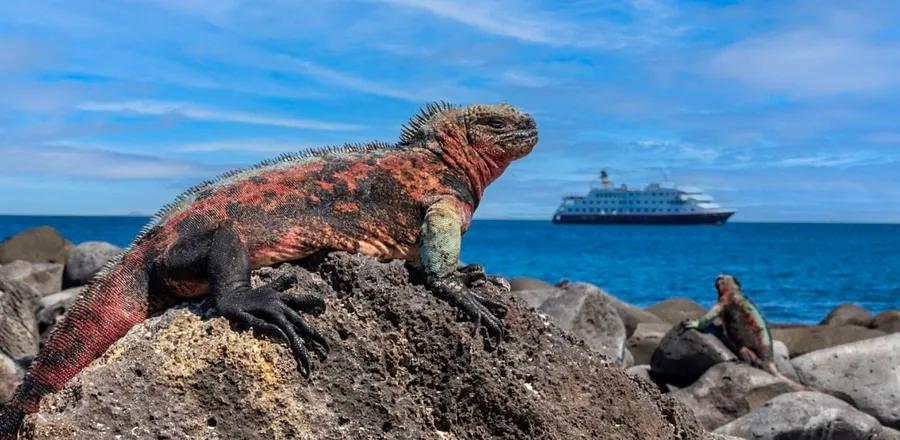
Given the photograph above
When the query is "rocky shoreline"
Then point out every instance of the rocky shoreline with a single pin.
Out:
(578, 363)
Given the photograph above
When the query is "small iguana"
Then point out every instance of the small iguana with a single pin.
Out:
(411, 200)
(745, 327)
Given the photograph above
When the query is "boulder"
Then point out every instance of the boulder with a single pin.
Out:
(37, 245)
(584, 311)
(46, 278)
(526, 283)
(639, 371)
(51, 308)
(804, 415)
(848, 314)
(631, 315)
(675, 310)
(867, 371)
(534, 298)
(783, 361)
(729, 390)
(87, 259)
(401, 365)
(684, 355)
(11, 375)
(18, 328)
(888, 322)
(646, 337)
(802, 340)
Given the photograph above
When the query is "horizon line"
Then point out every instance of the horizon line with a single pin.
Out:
(800, 222)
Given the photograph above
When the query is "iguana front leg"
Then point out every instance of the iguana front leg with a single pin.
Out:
(440, 243)
(704, 321)
(265, 308)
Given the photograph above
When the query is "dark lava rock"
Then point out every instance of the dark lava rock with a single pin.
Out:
(888, 322)
(729, 390)
(87, 259)
(46, 278)
(802, 340)
(37, 245)
(684, 355)
(18, 328)
(805, 415)
(401, 366)
(675, 310)
(848, 314)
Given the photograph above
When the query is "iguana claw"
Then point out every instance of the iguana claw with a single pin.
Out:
(474, 275)
(274, 313)
(478, 309)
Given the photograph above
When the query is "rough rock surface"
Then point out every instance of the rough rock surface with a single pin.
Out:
(18, 328)
(888, 322)
(848, 314)
(729, 390)
(86, 259)
(46, 278)
(804, 415)
(684, 355)
(584, 311)
(802, 340)
(10, 376)
(37, 245)
(675, 310)
(401, 366)
(51, 308)
(646, 337)
(867, 371)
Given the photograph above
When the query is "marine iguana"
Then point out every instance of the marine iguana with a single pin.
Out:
(745, 327)
(411, 200)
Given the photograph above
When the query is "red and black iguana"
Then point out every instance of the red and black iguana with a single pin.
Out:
(412, 200)
(745, 327)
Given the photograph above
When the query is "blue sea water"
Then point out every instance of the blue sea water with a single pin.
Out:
(794, 272)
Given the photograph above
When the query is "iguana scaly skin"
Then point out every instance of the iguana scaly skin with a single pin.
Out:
(411, 200)
(745, 327)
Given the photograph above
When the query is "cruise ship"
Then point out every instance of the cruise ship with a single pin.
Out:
(657, 204)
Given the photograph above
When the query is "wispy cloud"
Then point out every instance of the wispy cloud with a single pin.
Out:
(494, 18)
(96, 164)
(828, 160)
(192, 111)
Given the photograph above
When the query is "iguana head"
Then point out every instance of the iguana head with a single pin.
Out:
(500, 131)
(727, 286)
(480, 140)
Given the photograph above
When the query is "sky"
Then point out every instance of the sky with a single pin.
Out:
(785, 111)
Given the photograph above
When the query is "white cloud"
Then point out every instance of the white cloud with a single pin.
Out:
(827, 160)
(192, 111)
(810, 62)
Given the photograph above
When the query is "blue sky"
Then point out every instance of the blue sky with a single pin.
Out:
(787, 111)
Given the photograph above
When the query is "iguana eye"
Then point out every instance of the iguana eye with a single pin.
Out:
(496, 123)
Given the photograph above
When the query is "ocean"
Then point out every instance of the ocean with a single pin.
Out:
(794, 272)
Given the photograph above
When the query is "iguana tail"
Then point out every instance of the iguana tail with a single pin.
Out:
(772, 369)
(113, 303)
